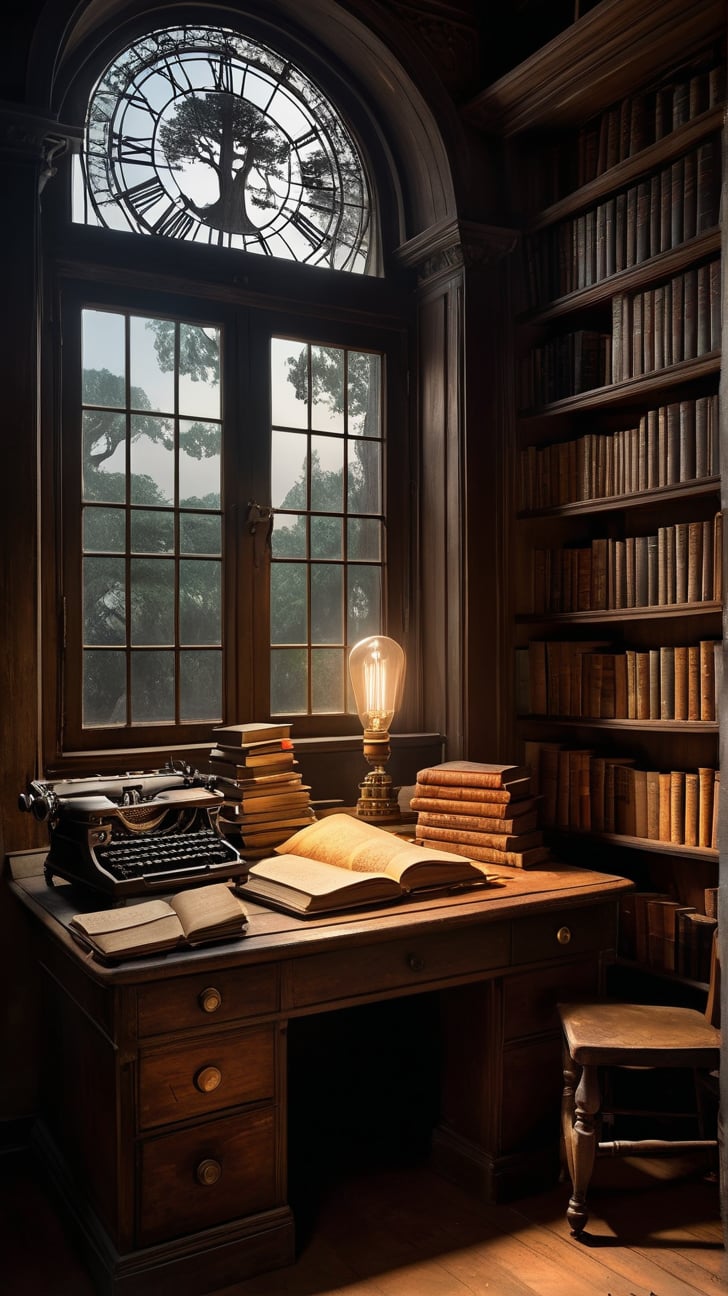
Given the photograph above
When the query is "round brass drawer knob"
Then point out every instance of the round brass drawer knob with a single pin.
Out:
(208, 1172)
(208, 1079)
(563, 935)
(210, 999)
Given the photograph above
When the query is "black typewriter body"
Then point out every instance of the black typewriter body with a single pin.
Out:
(134, 834)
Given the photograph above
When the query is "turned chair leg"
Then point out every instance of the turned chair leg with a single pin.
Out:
(587, 1102)
(571, 1077)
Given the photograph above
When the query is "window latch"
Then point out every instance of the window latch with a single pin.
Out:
(259, 519)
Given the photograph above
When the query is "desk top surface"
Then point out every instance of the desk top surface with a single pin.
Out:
(273, 935)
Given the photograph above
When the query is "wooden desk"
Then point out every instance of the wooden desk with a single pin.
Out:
(163, 1106)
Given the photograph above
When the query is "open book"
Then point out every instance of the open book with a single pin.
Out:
(339, 862)
(194, 917)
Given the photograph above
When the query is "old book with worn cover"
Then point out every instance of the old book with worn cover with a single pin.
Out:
(477, 774)
(194, 917)
(340, 862)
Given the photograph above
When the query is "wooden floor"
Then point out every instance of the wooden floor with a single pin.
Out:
(407, 1232)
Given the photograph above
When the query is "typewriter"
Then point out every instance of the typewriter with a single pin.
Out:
(134, 834)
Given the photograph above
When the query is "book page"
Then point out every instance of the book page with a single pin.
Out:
(314, 877)
(207, 908)
(344, 841)
(363, 848)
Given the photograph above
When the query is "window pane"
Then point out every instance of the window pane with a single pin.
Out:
(364, 494)
(364, 403)
(152, 461)
(200, 533)
(199, 377)
(152, 601)
(104, 601)
(200, 685)
(152, 531)
(104, 688)
(289, 383)
(103, 358)
(288, 538)
(288, 605)
(365, 602)
(288, 681)
(327, 603)
(364, 539)
(104, 529)
(327, 680)
(199, 602)
(326, 537)
(327, 387)
(152, 373)
(289, 469)
(152, 687)
(199, 465)
(104, 456)
(327, 474)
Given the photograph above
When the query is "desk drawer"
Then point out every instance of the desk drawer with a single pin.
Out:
(204, 1176)
(530, 997)
(564, 933)
(208, 997)
(407, 963)
(206, 1075)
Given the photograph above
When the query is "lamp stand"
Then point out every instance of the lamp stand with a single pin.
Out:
(378, 800)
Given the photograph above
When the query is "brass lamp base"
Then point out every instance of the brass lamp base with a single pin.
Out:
(378, 798)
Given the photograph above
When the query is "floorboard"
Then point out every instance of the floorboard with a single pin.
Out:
(404, 1231)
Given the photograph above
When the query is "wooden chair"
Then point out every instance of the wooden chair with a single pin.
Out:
(603, 1036)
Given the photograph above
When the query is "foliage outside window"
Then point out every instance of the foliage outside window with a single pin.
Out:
(326, 577)
(151, 500)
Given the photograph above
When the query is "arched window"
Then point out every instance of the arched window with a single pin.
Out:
(232, 361)
(201, 134)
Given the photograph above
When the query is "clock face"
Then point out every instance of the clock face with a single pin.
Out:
(202, 135)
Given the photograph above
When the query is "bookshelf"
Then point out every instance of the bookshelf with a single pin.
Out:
(618, 532)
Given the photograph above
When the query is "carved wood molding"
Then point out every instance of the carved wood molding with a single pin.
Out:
(456, 245)
(31, 138)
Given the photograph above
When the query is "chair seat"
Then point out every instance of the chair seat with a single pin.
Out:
(619, 1034)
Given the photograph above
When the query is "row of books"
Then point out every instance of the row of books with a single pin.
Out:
(635, 122)
(584, 791)
(657, 930)
(565, 365)
(661, 326)
(659, 212)
(483, 811)
(266, 800)
(581, 679)
(670, 444)
(680, 564)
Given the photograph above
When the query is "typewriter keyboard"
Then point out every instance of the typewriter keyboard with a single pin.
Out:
(166, 856)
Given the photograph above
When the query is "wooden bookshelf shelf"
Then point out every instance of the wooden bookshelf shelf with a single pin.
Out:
(703, 727)
(639, 843)
(661, 266)
(630, 391)
(620, 503)
(620, 614)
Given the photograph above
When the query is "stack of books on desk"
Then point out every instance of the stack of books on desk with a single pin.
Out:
(485, 812)
(265, 797)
